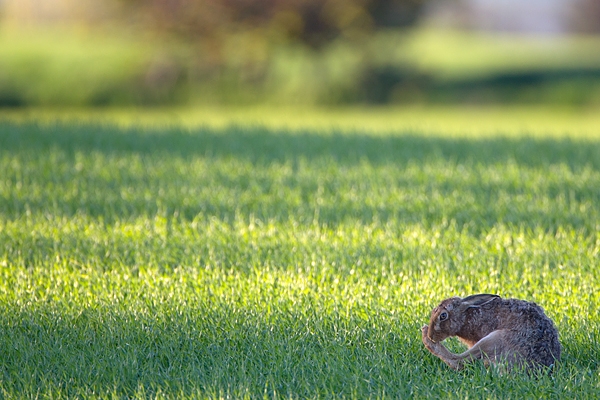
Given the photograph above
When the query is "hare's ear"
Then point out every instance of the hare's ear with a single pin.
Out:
(477, 300)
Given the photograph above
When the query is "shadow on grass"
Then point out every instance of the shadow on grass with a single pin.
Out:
(238, 352)
(223, 352)
(263, 148)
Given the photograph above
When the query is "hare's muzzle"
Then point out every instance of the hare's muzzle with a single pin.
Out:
(429, 330)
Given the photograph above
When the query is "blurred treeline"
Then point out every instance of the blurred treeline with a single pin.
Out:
(169, 52)
(311, 22)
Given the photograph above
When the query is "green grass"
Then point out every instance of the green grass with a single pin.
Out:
(481, 54)
(75, 67)
(288, 259)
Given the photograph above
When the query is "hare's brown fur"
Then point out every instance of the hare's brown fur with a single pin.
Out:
(510, 331)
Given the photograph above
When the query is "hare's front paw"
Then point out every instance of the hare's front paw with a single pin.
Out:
(432, 346)
(429, 344)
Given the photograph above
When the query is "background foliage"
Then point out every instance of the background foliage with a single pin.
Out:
(293, 52)
(313, 22)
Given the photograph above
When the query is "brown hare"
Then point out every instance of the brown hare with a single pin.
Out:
(502, 332)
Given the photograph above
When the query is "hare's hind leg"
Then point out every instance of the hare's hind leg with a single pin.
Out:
(490, 347)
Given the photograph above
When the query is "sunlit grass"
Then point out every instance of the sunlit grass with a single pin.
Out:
(77, 66)
(445, 121)
(191, 257)
(455, 54)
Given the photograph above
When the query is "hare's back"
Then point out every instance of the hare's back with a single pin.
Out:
(533, 333)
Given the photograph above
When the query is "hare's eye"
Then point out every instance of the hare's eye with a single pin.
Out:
(443, 316)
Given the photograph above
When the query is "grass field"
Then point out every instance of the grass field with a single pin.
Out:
(289, 257)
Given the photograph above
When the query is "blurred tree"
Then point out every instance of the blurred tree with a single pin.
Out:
(233, 40)
(313, 22)
(585, 16)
